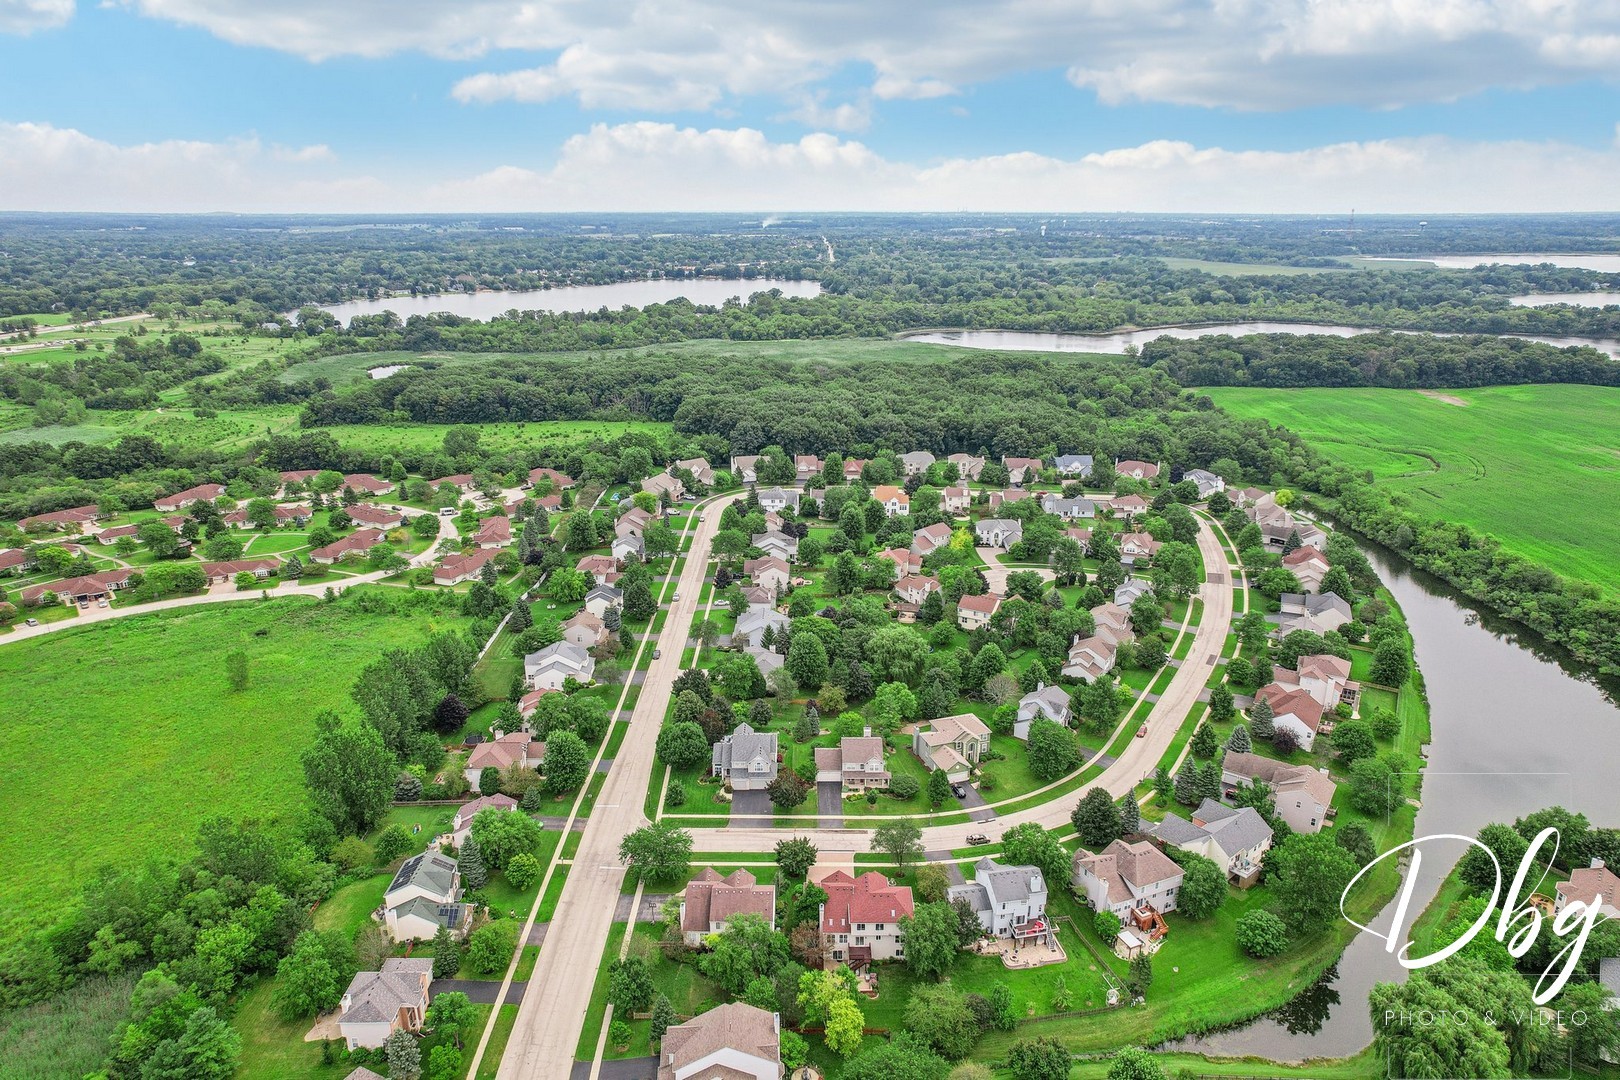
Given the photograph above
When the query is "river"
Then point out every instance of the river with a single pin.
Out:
(1038, 341)
(636, 294)
(1574, 299)
(1513, 730)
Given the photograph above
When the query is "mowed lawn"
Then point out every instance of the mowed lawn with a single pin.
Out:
(1537, 467)
(119, 738)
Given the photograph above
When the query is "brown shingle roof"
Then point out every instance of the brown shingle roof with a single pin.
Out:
(711, 898)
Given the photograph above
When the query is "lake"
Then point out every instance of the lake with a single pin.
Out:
(1513, 730)
(1038, 341)
(1591, 261)
(1577, 299)
(490, 304)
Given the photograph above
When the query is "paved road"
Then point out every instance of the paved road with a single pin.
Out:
(548, 1024)
(227, 591)
(995, 574)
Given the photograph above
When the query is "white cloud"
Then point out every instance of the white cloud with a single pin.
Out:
(1249, 54)
(815, 112)
(658, 166)
(26, 16)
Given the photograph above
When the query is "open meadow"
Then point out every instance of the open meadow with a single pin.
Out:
(121, 737)
(1537, 467)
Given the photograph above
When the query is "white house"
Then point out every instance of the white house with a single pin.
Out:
(917, 462)
(629, 548)
(1074, 465)
(555, 664)
(752, 623)
(776, 543)
(927, 540)
(1208, 483)
(745, 467)
(1235, 839)
(1068, 509)
(1309, 566)
(602, 597)
(774, 500)
(423, 897)
(1316, 612)
(1051, 702)
(768, 572)
(1300, 794)
(379, 1003)
(1594, 885)
(999, 532)
(915, 588)
(895, 501)
(1127, 877)
(1293, 710)
(700, 469)
(745, 758)
(955, 500)
(1010, 901)
(1130, 590)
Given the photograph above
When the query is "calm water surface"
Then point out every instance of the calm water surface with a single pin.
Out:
(1576, 299)
(488, 305)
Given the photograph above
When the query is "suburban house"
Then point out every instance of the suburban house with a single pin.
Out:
(768, 572)
(1301, 794)
(72, 520)
(585, 630)
(501, 753)
(366, 484)
(779, 544)
(1277, 532)
(951, 743)
(1127, 877)
(1090, 658)
(1308, 566)
(375, 516)
(663, 486)
(931, 538)
(182, 499)
(424, 896)
(379, 1003)
(1207, 482)
(999, 532)
(238, 519)
(549, 503)
(968, 466)
(458, 568)
(917, 462)
(735, 1041)
(915, 588)
(767, 660)
(109, 537)
(710, 901)
(1068, 509)
(1129, 504)
(1594, 885)
(627, 548)
(1234, 839)
(633, 522)
(461, 824)
(996, 499)
(1127, 591)
(860, 922)
(975, 612)
(1081, 537)
(79, 590)
(1316, 612)
(13, 560)
(1074, 465)
(602, 597)
(700, 469)
(751, 626)
(1325, 677)
(955, 500)
(219, 572)
(493, 532)
(559, 481)
(856, 763)
(1293, 710)
(853, 468)
(555, 664)
(1136, 470)
(292, 478)
(1137, 545)
(774, 500)
(895, 501)
(745, 759)
(462, 482)
(745, 467)
(807, 467)
(1051, 702)
(597, 566)
(905, 562)
(528, 703)
(1010, 901)
(1243, 498)
(1020, 469)
(360, 541)
(757, 596)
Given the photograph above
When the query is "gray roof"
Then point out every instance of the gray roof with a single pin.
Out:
(1054, 699)
(1609, 974)
(1054, 504)
(1316, 603)
(767, 660)
(376, 996)
(743, 744)
(976, 895)
(606, 591)
(1198, 474)
(756, 619)
(1177, 830)
(1069, 461)
(447, 915)
(782, 495)
(431, 870)
(1011, 525)
(1007, 884)
(1129, 590)
(1234, 829)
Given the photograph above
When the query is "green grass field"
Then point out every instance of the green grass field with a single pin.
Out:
(121, 737)
(1537, 467)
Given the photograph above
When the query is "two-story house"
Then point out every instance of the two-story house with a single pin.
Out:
(917, 462)
(893, 499)
(1235, 838)
(860, 922)
(1010, 901)
(1300, 794)
(999, 532)
(424, 895)
(1127, 877)
(1051, 702)
(710, 901)
(855, 764)
(956, 499)
(379, 1003)
(952, 743)
(735, 1041)
(745, 759)
(975, 612)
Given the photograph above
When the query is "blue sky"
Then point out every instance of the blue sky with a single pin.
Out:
(1421, 105)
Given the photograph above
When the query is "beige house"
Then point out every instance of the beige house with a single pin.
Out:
(745, 759)
(807, 467)
(745, 468)
(711, 901)
(768, 572)
(1594, 885)
(700, 469)
(1293, 710)
(461, 823)
(860, 922)
(379, 1003)
(1235, 839)
(458, 568)
(915, 588)
(1326, 678)
(493, 532)
(975, 612)
(633, 522)
(856, 763)
(1309, 566)
(1300, 794)
(1136, 470)
(664, 486)
(926, 541)
(735, 1041)
(182, 499)
(905, 562)
(1020, 469)
(501, 753)
(952, 743)
(895, 501)
(968, 466)
(585, 630)
(423, 897)
(956, 500)
(1127, 877)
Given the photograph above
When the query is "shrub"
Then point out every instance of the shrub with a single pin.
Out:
(489, 949)
(1261, 934)
(676, 795)
(523, 870)
(393, 842)
(1107, 924)
(904, 787)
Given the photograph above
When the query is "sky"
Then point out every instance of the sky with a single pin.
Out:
(1234, 106)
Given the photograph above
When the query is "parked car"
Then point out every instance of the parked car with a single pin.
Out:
(31, 622)
(658, 654)
(959, 790)
(676, 598)
(978, 839)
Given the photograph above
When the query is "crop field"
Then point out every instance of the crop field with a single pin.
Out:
(1537, 467)
(121, 737)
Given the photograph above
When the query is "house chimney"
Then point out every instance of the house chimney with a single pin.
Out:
(867, 731)
(1597, 862)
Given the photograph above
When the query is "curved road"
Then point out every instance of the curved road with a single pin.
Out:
(550, 1019)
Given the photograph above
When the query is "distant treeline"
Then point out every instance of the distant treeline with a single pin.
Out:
(1393, 360)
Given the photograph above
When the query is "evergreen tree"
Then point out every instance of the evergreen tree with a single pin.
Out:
(294, 568)
(1209, 781)
(1220, 704)
(1130, 816)
(446, 952)
(807, 727)
(522, 618)
(1187, 785)
(1163, 786)
(473, 874)
(487, 575)
(1203, 741)
(1096, 819)
(939, 787)
(663, 1017)
(1260, 715)
(1239, 742)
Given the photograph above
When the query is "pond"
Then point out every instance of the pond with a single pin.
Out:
(1515, 727)
(1605, 263)
(489, 304)
(1037, 341)
(1574, 299)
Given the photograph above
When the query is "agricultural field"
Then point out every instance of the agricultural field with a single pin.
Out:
(1537, 467)
(138, 711)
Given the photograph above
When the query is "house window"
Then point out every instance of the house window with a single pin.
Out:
(860, 926)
